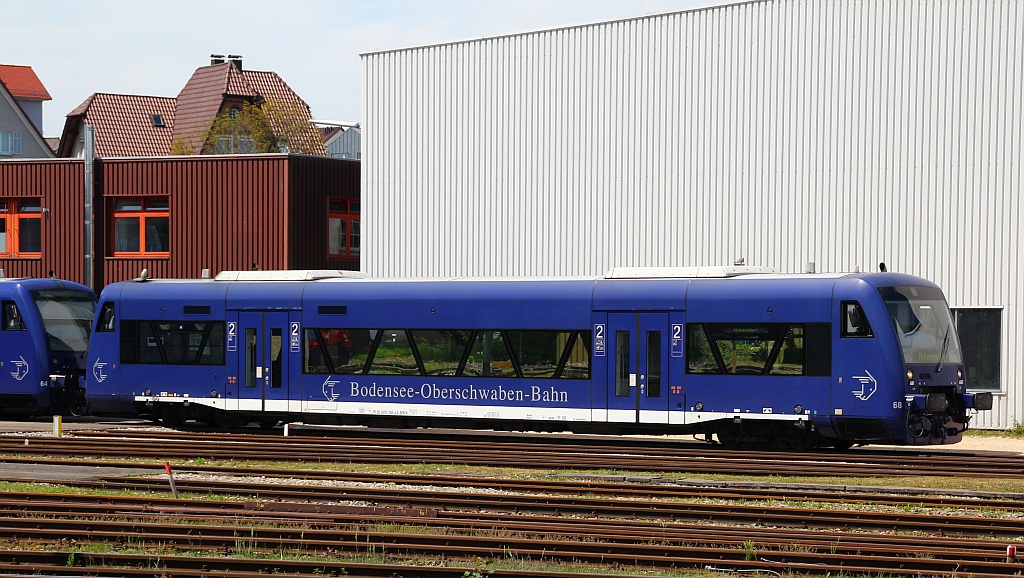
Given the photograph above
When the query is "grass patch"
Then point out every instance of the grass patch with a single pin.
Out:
(1016, 431)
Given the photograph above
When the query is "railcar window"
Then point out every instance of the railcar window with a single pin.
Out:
(923, 324)
(12, 320)
(700, 357)
(855, 322)
(394, 355)
(335, 350)
(791, 353)
(536, 354)
(577, 362)
(774, 349)
(653, 364)
(276, 341)
(441, 349)
(172, 342)
(489, 356)
(105, 323)
(67, 317)
(539, 352)
(252, 372)
(622, 359)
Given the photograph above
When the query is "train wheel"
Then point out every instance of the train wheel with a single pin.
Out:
(74, 400)
(730, 435)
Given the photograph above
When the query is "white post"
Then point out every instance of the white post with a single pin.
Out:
(58, 426)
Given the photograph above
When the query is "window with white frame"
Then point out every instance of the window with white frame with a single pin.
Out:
(10, 142)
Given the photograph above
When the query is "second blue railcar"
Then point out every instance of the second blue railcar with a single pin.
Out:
(746, 355)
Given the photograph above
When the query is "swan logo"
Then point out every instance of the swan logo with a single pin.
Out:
(20, 368)
(97, 371)
(868, 386)
(329, 389)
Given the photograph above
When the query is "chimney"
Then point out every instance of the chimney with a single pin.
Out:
(236, 59)
(216, 59)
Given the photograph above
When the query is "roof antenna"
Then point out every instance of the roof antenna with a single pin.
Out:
(881, 267)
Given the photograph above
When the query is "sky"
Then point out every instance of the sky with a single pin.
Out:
(151, 47)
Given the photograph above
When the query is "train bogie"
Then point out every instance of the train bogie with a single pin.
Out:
(746, 356)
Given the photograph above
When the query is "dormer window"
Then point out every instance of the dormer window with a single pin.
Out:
(158, 120)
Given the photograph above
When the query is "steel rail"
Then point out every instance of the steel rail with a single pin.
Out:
(497, 455)
(636, 549)
(640, 487)
(423, 498)
(36, 512)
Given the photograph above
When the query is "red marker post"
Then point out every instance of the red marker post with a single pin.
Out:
(170, 476)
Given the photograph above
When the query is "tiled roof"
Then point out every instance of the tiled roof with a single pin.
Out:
(204, 94)
(22, 82)
(125, 125)
(199, 101)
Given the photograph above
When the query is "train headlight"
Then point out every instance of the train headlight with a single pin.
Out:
(798, 409)
(959, 373)
(910, 374)
(148, 392)
(698, 406)
(213, 393)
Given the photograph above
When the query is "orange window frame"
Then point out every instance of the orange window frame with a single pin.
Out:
(347, 211)
(143, 209)
(12, 213)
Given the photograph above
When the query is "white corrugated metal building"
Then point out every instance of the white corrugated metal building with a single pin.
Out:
(844, 133)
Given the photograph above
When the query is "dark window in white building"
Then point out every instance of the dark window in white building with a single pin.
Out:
(980, 332)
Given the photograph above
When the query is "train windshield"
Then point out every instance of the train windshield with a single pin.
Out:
(923, 324)
(67, 317)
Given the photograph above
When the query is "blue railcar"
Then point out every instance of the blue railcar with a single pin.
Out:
(741, 353)
(44, 334)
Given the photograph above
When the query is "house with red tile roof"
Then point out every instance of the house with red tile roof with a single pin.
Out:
(129, 126)
(126, 126)
(21, 113)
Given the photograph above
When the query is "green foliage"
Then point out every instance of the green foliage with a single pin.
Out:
(240, 131)
(1016, 430)
(749, 550)
(272, 126)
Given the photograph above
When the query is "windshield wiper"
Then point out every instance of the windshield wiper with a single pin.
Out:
(942, 354)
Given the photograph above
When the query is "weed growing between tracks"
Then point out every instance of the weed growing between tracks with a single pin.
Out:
(158, 554)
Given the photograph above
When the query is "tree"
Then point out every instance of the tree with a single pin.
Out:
(271, 127)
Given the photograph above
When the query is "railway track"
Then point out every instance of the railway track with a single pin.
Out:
(652, 487)
(636, 454)
(673, 510)
(183, 530)
(315, 522)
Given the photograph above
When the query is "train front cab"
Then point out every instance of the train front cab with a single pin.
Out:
(898, 370)
(44, 333)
